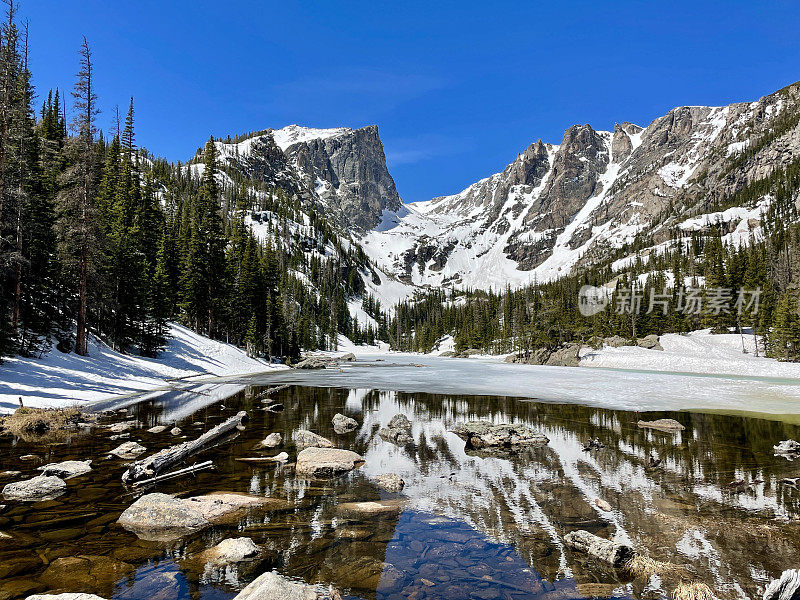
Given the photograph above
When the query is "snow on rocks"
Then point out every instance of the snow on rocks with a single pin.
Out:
(271, 586)
(327, 462)
(67, 469)
(483, 435)
(343, 424)
(41, 487)
(307, 439)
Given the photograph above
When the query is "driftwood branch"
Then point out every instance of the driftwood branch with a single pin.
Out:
(154, 465)
(180, 472)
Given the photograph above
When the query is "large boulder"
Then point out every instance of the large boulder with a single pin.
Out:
(617, 341)
(159, 517)
(41, 487)
(67, 469)
(326, 462)
(567, 355)
(483, 435)
(398, 431)
(343, 424)
(307, 439)
(650, 342)
(271, 586)
(349, 357)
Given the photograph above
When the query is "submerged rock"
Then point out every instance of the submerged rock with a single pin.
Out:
(398, 431)
(307, 439)
(128, 450)
(343, 424)
(157, 429)
(614, 553)
(273, 440)
(326, 462)
(67, 469)
(370, 508)
(662, 425)
(483, 435)
(271, 586)
(391, 482)
(41, 487)
(786, 587)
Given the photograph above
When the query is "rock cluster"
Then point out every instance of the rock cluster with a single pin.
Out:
(483, 435)
(398, 431)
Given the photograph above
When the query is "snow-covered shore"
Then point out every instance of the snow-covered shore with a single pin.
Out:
(60, 379)
(695, 352)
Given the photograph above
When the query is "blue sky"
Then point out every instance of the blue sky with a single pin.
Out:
(456, 88)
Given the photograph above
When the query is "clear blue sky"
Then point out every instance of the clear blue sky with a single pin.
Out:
(457, 88)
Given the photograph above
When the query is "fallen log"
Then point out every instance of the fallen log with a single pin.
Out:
(613, 553)
(267, 393)
(154, 465)
(186, 471)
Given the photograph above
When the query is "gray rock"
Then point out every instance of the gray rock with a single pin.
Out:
(483, 435)
(67, 469)
(370, 508)
(617, 341)
(343, 424)
(391, 482)
(326, 462)
(271, 586)
(119, 436)
(176, 431)
(650, 342)
(662, 425)
(613, 553)
(120, 427)
(398, 431)
(273, 440)
(565, 356)
(128, 450)
(232, 550)
(349, 357)
(157, 429)
(786, 587)
(41, 487)
(307, 439)
(314, 362)
(161, 517)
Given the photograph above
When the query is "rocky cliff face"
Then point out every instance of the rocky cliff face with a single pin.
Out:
(556, 207)
(344, 169)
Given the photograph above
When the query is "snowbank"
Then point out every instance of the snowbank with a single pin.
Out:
(67, 379)
(696, 352)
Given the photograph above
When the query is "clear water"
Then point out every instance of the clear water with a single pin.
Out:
(470, 526)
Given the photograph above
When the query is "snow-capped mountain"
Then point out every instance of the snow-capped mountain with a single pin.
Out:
(558, 206)
(552, 209)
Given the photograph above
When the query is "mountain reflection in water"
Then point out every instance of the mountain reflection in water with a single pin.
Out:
(471, 525)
